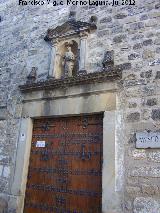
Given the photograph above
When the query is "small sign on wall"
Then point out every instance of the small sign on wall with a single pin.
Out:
(40, 144)
(148, 140)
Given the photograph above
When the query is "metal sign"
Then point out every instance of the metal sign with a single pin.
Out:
(148, 140)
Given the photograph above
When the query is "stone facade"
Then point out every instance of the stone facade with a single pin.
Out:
(132, 32)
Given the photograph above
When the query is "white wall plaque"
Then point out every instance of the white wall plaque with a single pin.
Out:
(148, 140)
(40, 144)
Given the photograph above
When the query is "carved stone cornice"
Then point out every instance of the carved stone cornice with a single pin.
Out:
(69, 28)
(52, 84)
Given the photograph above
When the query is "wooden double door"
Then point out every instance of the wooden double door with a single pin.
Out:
(65, 169)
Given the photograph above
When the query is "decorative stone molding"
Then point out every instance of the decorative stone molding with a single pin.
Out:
(72, 31)
(95, 77)
(68, 29)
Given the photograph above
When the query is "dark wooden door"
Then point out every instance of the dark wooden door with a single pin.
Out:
(65, 173)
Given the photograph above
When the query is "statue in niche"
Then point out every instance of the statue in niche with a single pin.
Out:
(68, 62)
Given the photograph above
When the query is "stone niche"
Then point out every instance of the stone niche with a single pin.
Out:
(66, 59)
(69, 48)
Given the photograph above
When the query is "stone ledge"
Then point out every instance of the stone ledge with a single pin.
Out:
(96, 77)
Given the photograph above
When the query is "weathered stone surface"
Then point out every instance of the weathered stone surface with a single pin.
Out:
(120, 16)
(151, 23)
(132, 139)
(119, 38)
(6, 172)
(154, 14)
(146, 205)
(133, 189)
(151, 102)
(145, 171)
(144, 17)
(154, 156)
(132, 117)
(132, 92)
(125, 66)
(4, 185)
(132, 105)
(106, 19)
(103, 33)
(147, 74)
(137, 46)
(157, 41)
(137, 37)
(156, 114)
(158, 75)
(149, 189)
(117, 29)
(148, 54)
(137, 26)
(158, 50)
(147, 42)
(148, 90)
(155, 62)
(139, 154)
(157, 6)
(133, 56)
(146, 114)
(102, 27)
(134, 82)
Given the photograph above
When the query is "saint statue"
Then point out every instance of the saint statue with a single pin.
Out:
(68, 62)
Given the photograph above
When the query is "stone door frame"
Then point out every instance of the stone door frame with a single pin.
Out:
(93, 102)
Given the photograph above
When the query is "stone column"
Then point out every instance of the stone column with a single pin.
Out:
(53, 59)
(83, 53)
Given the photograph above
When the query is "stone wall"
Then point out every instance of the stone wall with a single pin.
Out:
(133, 33)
